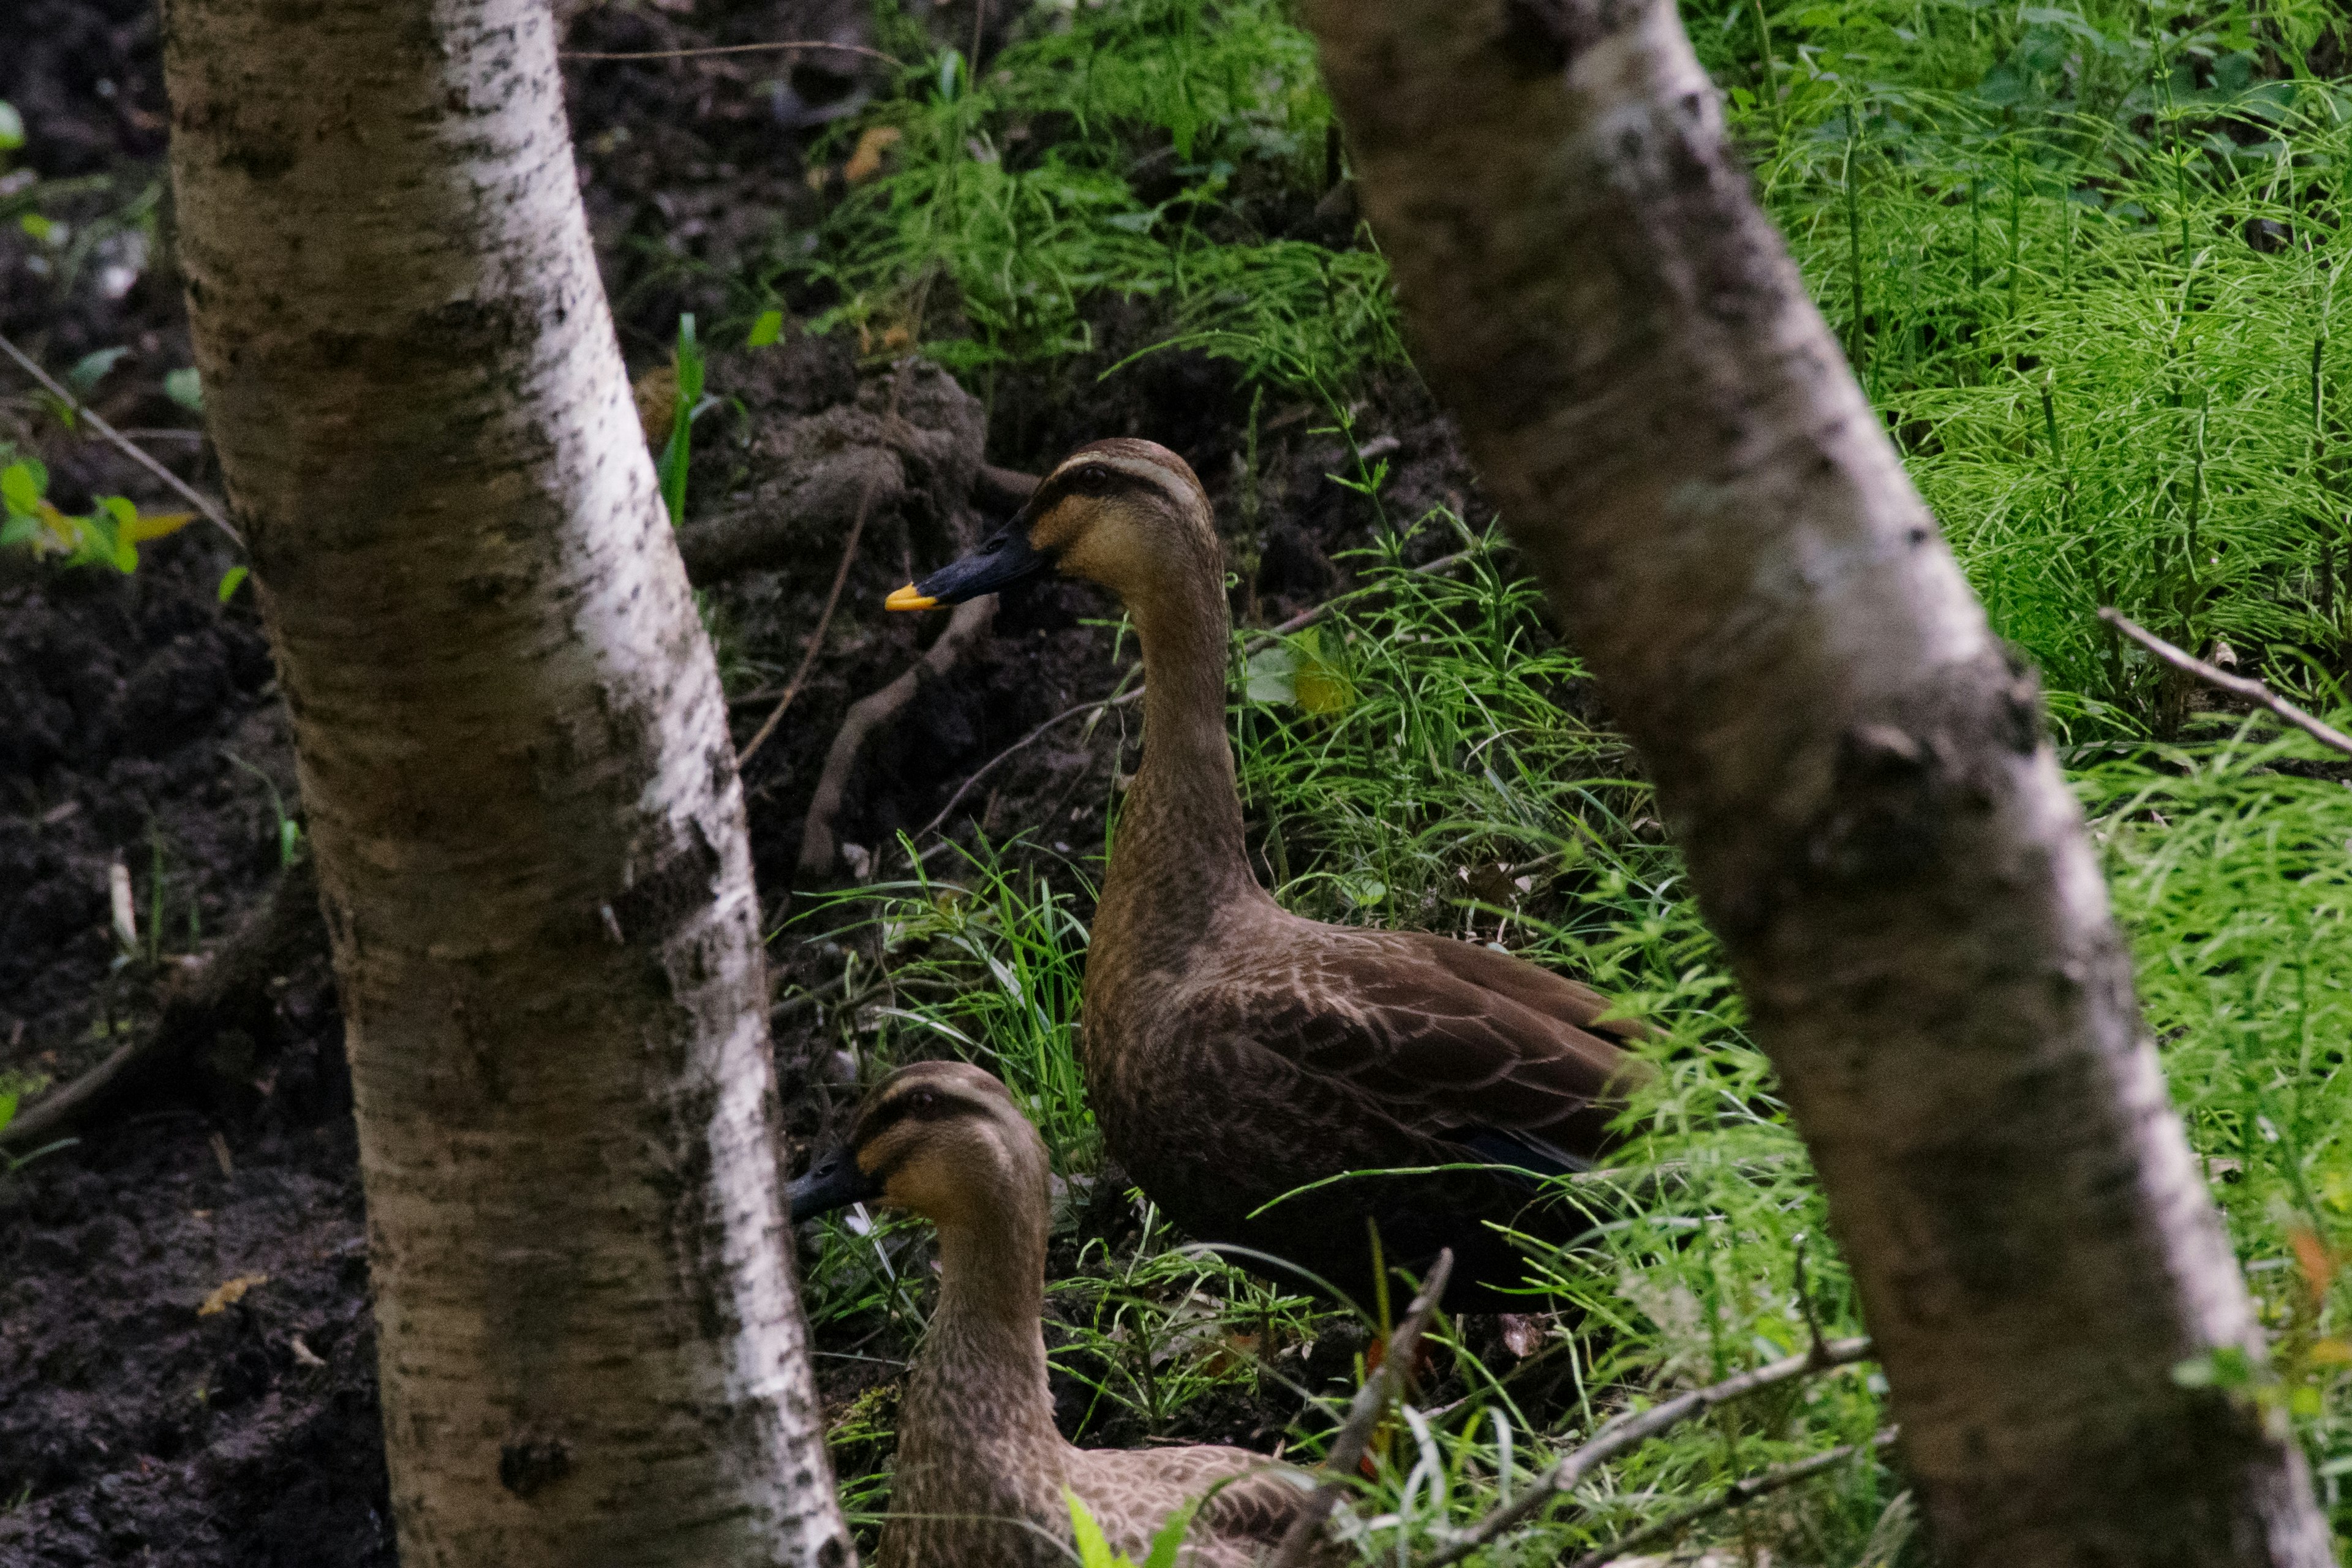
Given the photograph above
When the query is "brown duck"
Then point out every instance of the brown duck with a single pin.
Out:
(982, 1470)
(1235, 1053)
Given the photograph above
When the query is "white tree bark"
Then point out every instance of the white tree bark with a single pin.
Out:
(527, 825)
(1851, 761)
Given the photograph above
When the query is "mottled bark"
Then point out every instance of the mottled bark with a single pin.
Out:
(528, 830)
(1851, 761)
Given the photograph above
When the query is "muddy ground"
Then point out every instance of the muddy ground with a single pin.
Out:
(147, 1413)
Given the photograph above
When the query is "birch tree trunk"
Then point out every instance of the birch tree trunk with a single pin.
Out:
(1851, 761)
(527, 825)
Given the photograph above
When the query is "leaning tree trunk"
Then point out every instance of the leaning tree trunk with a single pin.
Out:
(527, 825)
(1849, 759)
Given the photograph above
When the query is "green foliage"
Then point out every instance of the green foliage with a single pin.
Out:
(109, 534)
(1144, 150)
(987, 968)
(670, 468)
(14, 1086)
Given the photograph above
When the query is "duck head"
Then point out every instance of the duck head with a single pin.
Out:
(1129, 515)
(943, 1139)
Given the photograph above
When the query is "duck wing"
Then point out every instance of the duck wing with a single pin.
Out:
(1519, 1065)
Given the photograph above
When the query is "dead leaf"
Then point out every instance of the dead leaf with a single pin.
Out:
(2316, 1263)
(656, 399)
(866, 160)
(229, 1294)
(1523, 1333)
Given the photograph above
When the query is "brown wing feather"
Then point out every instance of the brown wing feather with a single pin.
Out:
(1439, 1035)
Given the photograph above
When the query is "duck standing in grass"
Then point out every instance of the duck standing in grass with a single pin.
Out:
(982, 1470)
(1235, 1053)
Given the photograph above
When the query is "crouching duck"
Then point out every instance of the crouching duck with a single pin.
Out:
(1235, 1053)
(982, 1470)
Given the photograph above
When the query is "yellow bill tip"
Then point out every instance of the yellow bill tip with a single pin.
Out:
(906, 598)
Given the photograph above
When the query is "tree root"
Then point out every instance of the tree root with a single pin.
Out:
(235, 978)
(909, 444)
(820, 846)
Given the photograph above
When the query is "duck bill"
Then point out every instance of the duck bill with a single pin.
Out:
(1004, 560)
(834, 1182)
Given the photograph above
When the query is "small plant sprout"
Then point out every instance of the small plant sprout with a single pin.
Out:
(688, 407)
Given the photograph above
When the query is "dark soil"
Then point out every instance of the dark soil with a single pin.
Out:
(139, 724)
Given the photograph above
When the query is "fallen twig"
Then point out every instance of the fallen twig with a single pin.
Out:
(868, 713)
(730, 50)
(1632, 1430)
(2239, 685)
(1117, 699)
(1738, 1495)
(239, 970)
(840, 576)
(186, 492)
(1371, 1401)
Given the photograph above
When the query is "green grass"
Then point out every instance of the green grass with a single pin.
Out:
(2031, 226)
(1151, 150)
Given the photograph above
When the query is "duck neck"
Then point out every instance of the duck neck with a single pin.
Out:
(1179, 844)
(985, 1355)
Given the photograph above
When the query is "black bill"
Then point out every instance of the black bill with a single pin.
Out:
(834, 1182)
(1002, 562)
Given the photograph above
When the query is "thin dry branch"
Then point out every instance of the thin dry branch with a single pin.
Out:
(1631, 1431)
(2237, 686)
(819, 843)
(871, 54)
(237, 973)
(1118, 700)
(840, 576)
(1738, 1495)
(1379, 1391)
(186, 492)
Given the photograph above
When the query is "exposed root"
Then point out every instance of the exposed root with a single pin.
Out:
(820, 845)
(235, 978)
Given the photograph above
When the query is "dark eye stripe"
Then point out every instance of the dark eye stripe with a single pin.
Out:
(914, 1105)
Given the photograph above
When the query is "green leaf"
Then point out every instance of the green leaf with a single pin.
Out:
(122, 551)
(230, 581)
(22, 485)
(185, 387)
(2224, 1366)
(90, 368)
(766, 330)
(8, 1099)
(671, 469)
(1271, 675)
(19, 530)
(37, 226)
(12, 127)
